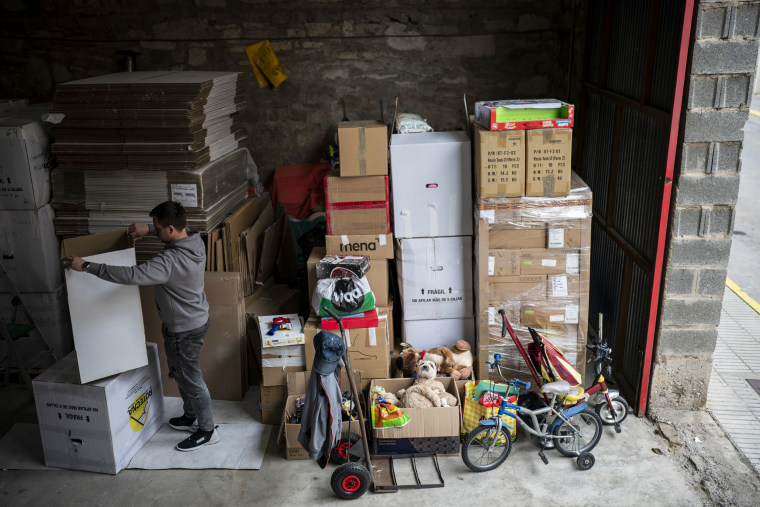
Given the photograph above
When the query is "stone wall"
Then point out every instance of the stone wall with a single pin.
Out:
(429, 54)
(706, 187)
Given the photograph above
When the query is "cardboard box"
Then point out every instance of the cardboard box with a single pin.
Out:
(363, 148)
(271, 413)
(538, 261)
(432, 177)
(539, 235)
(435, 277)
(531, 287)
(106, 318)
(549, 157)
(30, 250)
(524, 114)
(544, 315)
(377, 276)
(276, 363)
(25, 160)
(429, 429)
(358, 205)
(272, 403)
(425, 334)
(499, 159)
(368, 348)
(223, 356)
(50, 311)
(374, 246)
(98, 426)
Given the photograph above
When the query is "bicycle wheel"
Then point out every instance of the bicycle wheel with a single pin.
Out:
(484, 449)
(621, 411)
(580, 434)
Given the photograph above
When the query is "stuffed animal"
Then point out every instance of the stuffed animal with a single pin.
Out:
(426, 392)
(455, 362)
(380, 392)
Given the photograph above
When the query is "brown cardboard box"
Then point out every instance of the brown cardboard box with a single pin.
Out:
(545, 315)
(429, 429)
(273, 394)
(529, 261)
(369, 349)
(499, 158)
(363, 148)
(223, 356)
(548, 166)
(537, 235)
(271, 413)
(377, 276)
(358, 205)
(374, 246)
(509, 288)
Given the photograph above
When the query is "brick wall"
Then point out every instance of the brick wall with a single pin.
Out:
(705, 192)
(428, 53)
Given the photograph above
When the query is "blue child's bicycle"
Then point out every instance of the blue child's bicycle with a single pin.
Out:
(574, 431)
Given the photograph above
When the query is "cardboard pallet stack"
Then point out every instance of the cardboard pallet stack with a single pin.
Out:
(28, 244)
(533, 233)
(431, 176)
(128, 141)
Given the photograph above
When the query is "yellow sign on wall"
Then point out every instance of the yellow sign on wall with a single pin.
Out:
(266, 66)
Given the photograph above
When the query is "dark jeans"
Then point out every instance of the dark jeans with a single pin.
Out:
(183, 354)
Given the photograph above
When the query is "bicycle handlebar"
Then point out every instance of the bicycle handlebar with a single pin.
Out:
(496, 365)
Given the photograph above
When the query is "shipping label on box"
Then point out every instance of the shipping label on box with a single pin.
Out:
(363, 148)
(25, 160)
(435, 277)
(499, 159)
(98, 426)
(548, 170)
(374, 246)
(280, 330)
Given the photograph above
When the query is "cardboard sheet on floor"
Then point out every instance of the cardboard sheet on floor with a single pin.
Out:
(244, 441)
(106, 320)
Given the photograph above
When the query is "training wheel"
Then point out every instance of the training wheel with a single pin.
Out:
(585, 461)
(350, 481)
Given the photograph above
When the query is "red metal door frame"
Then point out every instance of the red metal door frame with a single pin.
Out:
(662, 238)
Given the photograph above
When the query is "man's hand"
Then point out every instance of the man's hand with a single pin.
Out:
(74, 263)
(137, 231)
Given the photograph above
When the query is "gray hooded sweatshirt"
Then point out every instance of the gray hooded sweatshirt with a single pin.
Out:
(177, 273)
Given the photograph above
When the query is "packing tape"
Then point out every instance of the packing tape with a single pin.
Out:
(344, 239)
(491, 264)
(362, 151)
(372, 337)
(347, 337)
(432, 219)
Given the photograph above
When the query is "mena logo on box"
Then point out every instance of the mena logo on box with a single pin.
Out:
(138, 411)
(358, 247)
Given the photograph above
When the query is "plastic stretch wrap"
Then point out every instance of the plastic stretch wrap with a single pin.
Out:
(532, 260)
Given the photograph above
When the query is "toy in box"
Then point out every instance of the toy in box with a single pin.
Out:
(281, 330)
(524, 114)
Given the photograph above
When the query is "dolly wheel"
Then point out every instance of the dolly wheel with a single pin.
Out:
(585, 461)
(350, 481)
(339, 453)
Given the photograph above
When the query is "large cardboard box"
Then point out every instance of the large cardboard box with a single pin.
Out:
(374, 246)
(223, 356)
(429, 429)
(98, 426)
(548, 167)
(363, 148)
(435, 277)
(276, 363)
(358, 205)
(106, 318)
(50, 311)
(30, 250)
(556, 234)
(25, 160)
(377, 276)
(431, 176)
(499, 159)
(426, 334)
(368, 348)
(538, 261)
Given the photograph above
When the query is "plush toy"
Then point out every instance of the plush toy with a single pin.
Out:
(455, 362)
(426, 392)
(379, 392)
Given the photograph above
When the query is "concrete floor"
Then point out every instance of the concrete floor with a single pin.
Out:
(647, 463)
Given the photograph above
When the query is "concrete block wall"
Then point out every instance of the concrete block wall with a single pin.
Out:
(706, 186)
(428, 53)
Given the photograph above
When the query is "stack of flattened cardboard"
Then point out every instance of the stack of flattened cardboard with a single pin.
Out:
(128, 141)
(533, 259)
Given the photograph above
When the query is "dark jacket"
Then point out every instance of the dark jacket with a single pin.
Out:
(321, 422)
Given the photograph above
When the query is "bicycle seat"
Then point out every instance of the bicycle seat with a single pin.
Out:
(560, 387)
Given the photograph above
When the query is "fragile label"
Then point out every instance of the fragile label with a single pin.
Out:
(573, 263)
(186, 194)
(556, 238)
(552, 263)
(491, 264)
(571, 314)
(559, 286)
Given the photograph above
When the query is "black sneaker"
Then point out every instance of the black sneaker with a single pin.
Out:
(184, 423)
(199, 439)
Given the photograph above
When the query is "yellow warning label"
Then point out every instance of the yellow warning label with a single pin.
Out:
(266, 66)
(138, 411)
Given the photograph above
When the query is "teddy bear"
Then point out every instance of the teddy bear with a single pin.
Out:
(426, 392)
(455, 362)
(380, 392)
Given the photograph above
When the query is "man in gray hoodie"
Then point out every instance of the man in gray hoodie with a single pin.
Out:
(178, 275)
